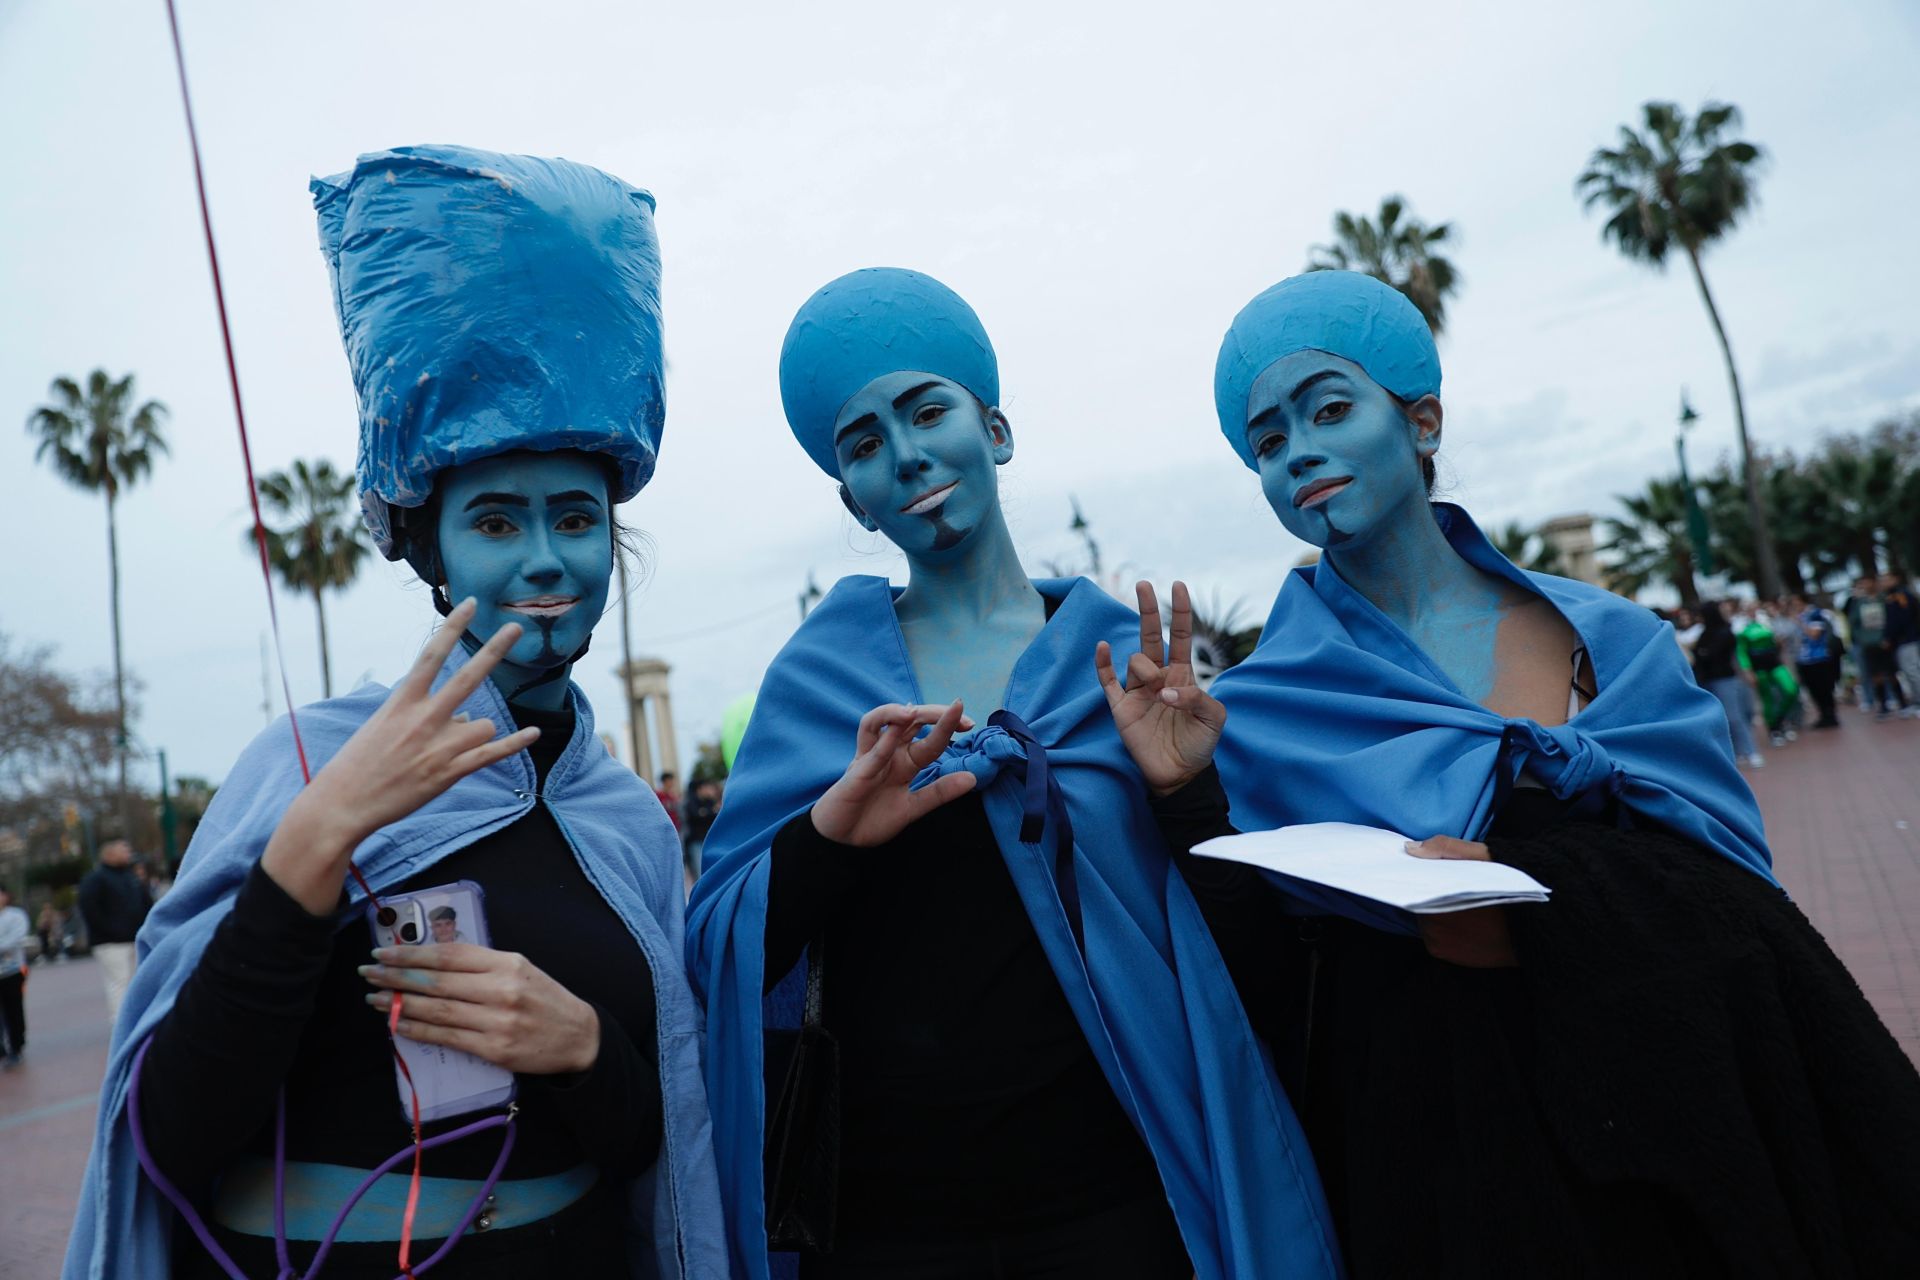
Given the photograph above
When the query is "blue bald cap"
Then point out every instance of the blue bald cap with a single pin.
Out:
(491, 303)
(1342, 313)
(868, 324)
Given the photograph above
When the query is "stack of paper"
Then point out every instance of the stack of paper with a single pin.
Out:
(1372, 863)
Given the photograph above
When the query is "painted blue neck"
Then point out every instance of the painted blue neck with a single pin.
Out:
(982, 577)
(1405, 567)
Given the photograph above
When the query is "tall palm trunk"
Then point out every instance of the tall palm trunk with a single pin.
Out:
(1767, 567)
(119, 671)
(326, 668)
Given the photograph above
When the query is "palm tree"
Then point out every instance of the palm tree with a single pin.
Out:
(1683, 183)
(1528, 549)
(1398, 250)
(1650, 542)
(321, 549)
(98, 440)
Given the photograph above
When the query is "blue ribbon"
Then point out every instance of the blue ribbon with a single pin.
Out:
(1008, 743)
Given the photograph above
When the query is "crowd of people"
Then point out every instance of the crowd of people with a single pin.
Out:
(1766, 660)
(954, 994)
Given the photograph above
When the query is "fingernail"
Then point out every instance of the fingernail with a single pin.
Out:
(367, 970)
(373, 997)
(382, 954)
(1169, 696)
(469, 603)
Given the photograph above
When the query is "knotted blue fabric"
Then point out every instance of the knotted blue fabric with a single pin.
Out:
(1339, 716)
(628, 851)
(1143, 978)
(1007, 743)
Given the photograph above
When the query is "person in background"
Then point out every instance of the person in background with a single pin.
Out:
(1686, 629)
(668, 793)
(1768, 674)
(113, 905)
(697, 813)
(1867, 616)
(1716, 670)
(48, 926)
(1819, 658)
(13, 979)
(1903, 638)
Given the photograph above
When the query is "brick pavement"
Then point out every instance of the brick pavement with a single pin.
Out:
(1843, 816)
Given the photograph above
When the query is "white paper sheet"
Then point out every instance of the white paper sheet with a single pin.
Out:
(1374, 863)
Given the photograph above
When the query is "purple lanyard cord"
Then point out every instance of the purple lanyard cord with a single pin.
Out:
(287, 1270)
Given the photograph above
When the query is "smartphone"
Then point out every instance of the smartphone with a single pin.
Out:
(450, 1082)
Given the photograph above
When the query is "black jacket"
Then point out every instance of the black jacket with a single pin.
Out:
(114, 904)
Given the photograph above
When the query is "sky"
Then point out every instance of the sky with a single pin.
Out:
(1106, 183)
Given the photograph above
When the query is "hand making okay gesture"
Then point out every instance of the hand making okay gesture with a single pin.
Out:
(1170, 725)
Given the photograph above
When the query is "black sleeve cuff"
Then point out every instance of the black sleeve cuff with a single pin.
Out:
(613, 1108)
(1204, 797)
(809, 876)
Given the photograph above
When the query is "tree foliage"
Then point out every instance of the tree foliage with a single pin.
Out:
(1528, 548)
(1848, 507)
(316, 546)
(1396, 249)
(1673, 182)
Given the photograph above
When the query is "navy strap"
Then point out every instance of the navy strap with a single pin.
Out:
(1046, 804)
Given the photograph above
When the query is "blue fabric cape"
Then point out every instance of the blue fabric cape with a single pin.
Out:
(626, 846)
(1152, 993)
(1339, 716)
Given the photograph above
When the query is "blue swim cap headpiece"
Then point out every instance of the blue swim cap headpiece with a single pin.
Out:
(490, 303)
(868, 324)
(1342, 313)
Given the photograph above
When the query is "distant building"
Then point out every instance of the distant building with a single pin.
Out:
(1571, 537)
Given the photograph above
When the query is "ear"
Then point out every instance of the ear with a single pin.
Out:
(1425, 415)
(1000, 431)
(853, 509)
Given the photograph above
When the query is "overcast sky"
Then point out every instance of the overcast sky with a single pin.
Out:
(1107, 184)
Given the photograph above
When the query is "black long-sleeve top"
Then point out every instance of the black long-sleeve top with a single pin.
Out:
(276, 999)
(970, 1100)
(1678, 1079)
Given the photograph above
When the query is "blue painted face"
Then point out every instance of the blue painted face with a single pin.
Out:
(1338, 456)
(529, 537)
(917, 459)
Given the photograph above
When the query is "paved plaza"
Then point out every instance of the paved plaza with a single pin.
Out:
(1843, 816)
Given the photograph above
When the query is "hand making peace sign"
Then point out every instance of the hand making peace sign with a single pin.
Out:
(1170, 725)
(408, 752)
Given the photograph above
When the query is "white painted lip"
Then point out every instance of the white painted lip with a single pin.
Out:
(928, 501)
(1320, 490)
(542, 606)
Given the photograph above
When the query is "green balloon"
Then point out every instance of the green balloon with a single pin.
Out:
(733, 727)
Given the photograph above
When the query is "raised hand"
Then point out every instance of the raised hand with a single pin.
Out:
(1170, 725)
(871, 804)
(408, 752)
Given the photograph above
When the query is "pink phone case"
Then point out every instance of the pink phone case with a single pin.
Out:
(450, 1082)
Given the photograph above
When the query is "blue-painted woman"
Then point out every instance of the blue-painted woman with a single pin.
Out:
(1043, 1068)
(502, 322)
(1661, 1072)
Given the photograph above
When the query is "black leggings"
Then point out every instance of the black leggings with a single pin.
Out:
(1819, 678)
(13, 1013)
(1135, 1241)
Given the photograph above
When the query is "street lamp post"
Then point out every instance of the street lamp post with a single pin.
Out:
(809, 597)
(1698, 532)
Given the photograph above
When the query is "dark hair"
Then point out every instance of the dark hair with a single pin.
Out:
(1713, 617)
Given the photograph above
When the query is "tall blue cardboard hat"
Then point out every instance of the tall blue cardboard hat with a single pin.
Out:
(491, 303)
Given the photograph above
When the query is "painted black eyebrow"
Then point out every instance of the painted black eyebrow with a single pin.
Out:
(572, 495)
(1309, 380)
(866, 420)
(1261, 418)
(497, 500)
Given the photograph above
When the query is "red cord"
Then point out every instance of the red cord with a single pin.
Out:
(273, 610)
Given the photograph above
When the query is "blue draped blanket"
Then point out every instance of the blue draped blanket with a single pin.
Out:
(1149, 990)
(1339, 716)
